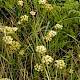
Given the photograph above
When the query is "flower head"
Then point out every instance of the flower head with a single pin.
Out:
(71, 71)
(32, 13)
(21, 52)
(38, 67)
(8, 30)
(24, 18)
(42, 1)
(7, 39)
(14, 46)
(49, 35)
(47, 59)
(41, 49)
(60, 64)
(48, 6)
(58, 26)
(20, 2)
(4, 79)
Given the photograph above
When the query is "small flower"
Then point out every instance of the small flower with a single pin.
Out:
(58, 26)
(24, 18)
(42, 1)
(8, 30)
(32, 13)
(47, 59)
(49, 35)
(79, 55)
(14, 46)
(14, 29)
(71, 71)
(20, 2)
(4, 79)
(48, 6)
(41, 49)
(38, 67)
(7, 39)
(19, 22)
(21, 52)
(60, 64)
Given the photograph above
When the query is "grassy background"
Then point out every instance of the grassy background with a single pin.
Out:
(65, 45)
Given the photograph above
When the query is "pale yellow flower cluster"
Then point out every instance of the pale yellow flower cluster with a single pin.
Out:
(20, 2)
(8, 30)
(8, 39)
(14, 46)
(60, 64)
(71, 71)
(38, 67)
(50, 35)
(21, 52)
(41, 49)
(42, 1)
(79, 55)
(24, 18)
(48, 6)
(47, 59)
(5, 79)
(58, 26)
(32, 13)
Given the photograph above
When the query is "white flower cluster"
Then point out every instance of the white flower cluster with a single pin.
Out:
(20, 2)
(48, 6)
(71, 71)
(41, 49)
(50, 35)
(14, 46)
(42, 1)
(58, 26)
(47, 59)
(8, 30)
(23, 18)
(8, 39)
(4, 79)
(60, 64)
(32, 13)
(38, 67)
(21, 52)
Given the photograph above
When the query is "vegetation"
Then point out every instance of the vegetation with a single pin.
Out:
(39, 40)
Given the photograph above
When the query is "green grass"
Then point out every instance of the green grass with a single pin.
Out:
(64, 46)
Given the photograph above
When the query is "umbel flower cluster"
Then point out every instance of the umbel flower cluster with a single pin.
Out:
(47, 59)
(23, 18)
(50, 35)
(41, 49)
(60, 64)
(8, 39)
(4, 79)
(8, 30)
(38, 67)
(20, 2)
